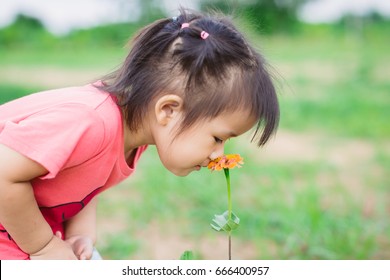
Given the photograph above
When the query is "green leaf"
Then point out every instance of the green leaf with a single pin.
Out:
(187, 255)
(224, 223)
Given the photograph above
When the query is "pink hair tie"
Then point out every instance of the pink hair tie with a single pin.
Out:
(204, 35)
(185, 25)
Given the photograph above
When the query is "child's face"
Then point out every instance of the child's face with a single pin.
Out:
(195, 147)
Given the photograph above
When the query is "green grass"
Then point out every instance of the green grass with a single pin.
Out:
(332, 86)
(280, 204)
(9, 92)
(69, 58)
(352, 109)
(331, 79)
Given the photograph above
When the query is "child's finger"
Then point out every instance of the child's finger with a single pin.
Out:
(58, 234)
(85, 255)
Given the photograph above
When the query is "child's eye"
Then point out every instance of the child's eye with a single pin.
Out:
(218, 140)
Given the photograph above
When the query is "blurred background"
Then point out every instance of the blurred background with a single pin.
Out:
(319, 190)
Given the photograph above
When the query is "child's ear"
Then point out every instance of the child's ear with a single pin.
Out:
(168, 107)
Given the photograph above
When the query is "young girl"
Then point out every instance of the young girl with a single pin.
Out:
(188, 85)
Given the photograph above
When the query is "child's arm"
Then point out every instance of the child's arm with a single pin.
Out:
(80, 231)
(19, 211)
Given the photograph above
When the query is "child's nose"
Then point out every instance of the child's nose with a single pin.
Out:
(218, 152)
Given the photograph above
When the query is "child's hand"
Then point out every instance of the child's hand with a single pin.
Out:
(82, 246)
(56, 249)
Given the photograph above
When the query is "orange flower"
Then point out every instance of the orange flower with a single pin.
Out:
(226, 162)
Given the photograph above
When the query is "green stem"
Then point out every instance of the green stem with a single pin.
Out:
(230, 245)
(227, 175)
(226, 170)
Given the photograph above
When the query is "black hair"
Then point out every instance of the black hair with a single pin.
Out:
(213, 75)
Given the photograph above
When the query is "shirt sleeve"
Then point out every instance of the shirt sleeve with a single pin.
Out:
(58, 137)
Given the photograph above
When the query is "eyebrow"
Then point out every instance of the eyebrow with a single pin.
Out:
(231, 134)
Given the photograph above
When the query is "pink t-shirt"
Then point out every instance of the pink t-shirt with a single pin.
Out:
(77, 135)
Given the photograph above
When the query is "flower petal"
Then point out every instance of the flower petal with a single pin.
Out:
(226, 161)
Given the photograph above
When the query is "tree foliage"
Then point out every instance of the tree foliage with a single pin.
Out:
(266, 16)
(25, 31)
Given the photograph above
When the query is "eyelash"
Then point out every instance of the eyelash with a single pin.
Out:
(218, 140)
